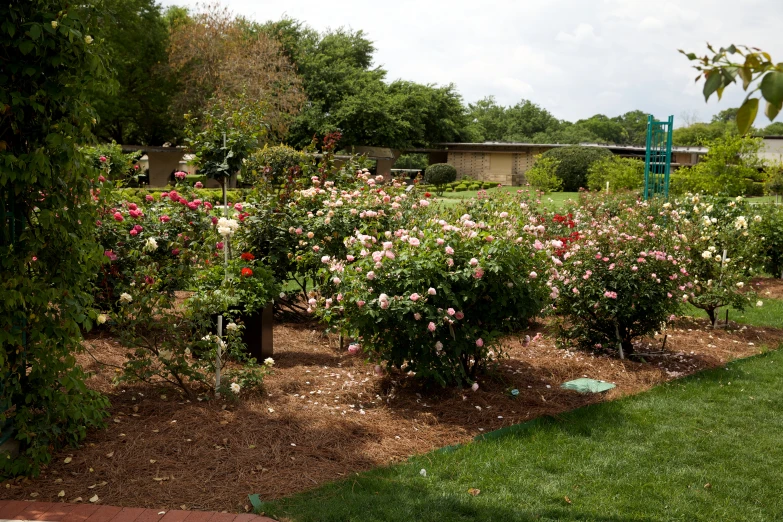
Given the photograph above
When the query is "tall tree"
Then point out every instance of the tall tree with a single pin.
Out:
(133, 105)
(218, 55)
(346, 92)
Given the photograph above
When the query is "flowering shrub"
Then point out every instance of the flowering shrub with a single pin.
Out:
(159, 239)
(434, 294)
(623, 278)
(293, 235)
(723, 255)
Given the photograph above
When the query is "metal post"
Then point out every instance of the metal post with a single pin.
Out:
(219, 354)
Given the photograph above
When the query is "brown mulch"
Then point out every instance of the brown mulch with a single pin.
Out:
(325, 415)
(768, 288)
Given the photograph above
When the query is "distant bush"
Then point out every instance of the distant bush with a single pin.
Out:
(543, 175)
(621, 173)
(274, 164)
(439, 174)
(731, 168)
(575, 161)
(114, 164)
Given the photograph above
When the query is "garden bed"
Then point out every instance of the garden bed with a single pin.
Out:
(325, 415)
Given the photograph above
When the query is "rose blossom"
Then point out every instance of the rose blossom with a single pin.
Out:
(473, 261)
(459, 315)
(432, 291)
(431, 327)
(414, 297)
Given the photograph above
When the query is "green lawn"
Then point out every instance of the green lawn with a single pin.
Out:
(770, 314)
(557, 198)
(706, 447)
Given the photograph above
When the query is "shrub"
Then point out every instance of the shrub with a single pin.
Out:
(769, 234)
(109, 159)
(621, 173)
(575, 161)
(775, 183)
(449, 189)
(461, 188)
(275, 164)
(731, 167)
(543, 175)
(434, 293)
(439, 174)
(622, 279)
(714, 225)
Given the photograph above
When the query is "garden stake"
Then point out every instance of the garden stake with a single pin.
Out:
(663, 346)
(219, 354)
(727, 317)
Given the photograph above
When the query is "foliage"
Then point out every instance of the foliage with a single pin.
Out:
(543, 175)
(274, 164)
(161, 236)
(112, 162)
(621, 173)
(134, 105)
(434, 292)
(574, 162)
(439, 174)
(731, 167)
(48, 252)
(225, 135)
(346, 93)
(754, 67)
(217, 57)
(723, 257)
(412, 161)
(623, 278)
(769, 234)
(244, 284)
(775, 183)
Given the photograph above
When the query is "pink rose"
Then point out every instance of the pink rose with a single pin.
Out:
(353, 349)
(219, 245)
(449, 251)
(132, 206)
(414, 297)
(238, 207)
(451, 311)
(459, 315)
(431, 327)
(473, 261)
(118, 217)
(432, 291)
(417, 316)
(164, 219)
(103, 159)
(370, 275)
(360, 303)
(101, 178)
(133, 232)
(199, 185)
(479, 342)
(149, 197)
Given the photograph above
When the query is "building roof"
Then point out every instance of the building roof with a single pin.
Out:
(521, 145)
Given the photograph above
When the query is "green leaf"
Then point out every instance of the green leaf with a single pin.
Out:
(712, 83)
(746, 74)
(26, 46)
(772, 110)
(35, 31)
(746, 114)
(772, 87)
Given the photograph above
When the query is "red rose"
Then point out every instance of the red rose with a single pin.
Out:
(247, 256)
(246, 272)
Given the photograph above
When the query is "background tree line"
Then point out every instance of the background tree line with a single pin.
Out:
(169, 63)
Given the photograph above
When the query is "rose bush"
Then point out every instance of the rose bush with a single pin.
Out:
(434, 293)
(624, 278)
(723, 255)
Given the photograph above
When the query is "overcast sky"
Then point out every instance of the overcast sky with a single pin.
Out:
(575, 58)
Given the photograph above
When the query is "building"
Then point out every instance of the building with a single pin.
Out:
(507, 163)
(772, 149)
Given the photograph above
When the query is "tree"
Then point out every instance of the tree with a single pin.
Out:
(773, 129)
(635, 125)
(574, 163)
(608, 130)
(755, 69)
(133, 106)
(218, 56)
(700, 133)
(48, 252)
(347, 94)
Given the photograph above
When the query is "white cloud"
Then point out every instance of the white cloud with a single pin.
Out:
(582, 34)
(573, 57)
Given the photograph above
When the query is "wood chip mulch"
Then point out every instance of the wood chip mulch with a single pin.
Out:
(325, 415)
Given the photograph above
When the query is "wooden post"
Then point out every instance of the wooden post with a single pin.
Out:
(619, 341)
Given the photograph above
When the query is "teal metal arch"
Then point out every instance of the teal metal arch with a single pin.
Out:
(658, 158)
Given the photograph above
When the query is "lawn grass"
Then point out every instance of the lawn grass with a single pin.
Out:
(706, 447)
(554, 199)
(769, 314)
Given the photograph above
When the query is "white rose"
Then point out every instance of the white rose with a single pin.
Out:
(235, 388)
(269, 361)
(125, 298)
